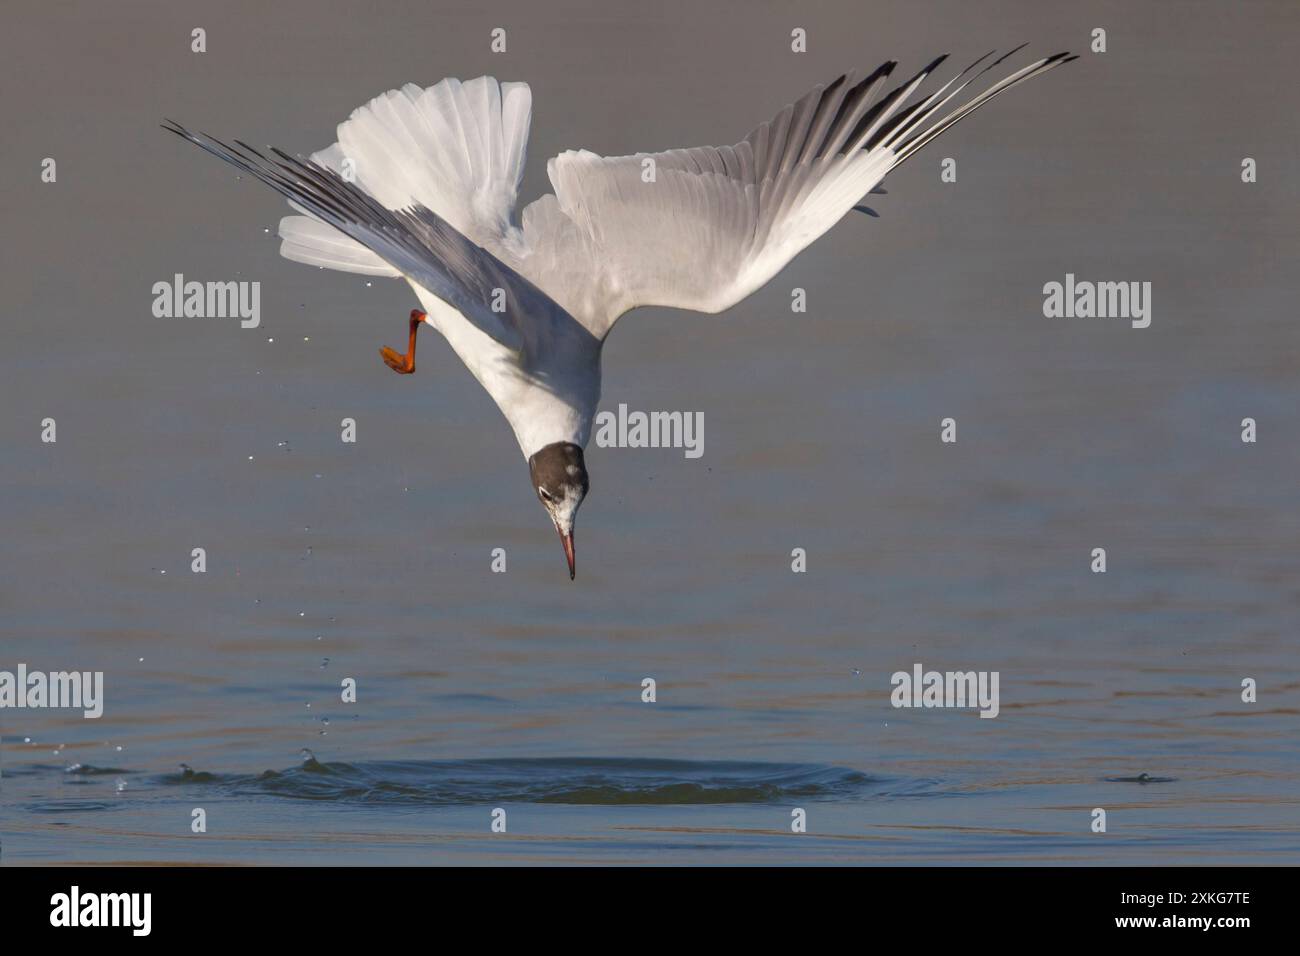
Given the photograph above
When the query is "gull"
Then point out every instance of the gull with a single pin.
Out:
(422, 183)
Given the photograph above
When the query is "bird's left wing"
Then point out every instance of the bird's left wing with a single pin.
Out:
(702, 228)
(414, 241)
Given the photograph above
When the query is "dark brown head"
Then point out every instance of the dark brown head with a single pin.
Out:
(559, 477)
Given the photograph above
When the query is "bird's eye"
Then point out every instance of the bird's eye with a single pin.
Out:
(546, 495)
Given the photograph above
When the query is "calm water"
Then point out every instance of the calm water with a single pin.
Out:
(522, 691)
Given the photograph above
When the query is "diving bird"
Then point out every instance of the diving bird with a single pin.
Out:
(421, 185)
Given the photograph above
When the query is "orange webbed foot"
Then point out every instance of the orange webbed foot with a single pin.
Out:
(404, 363)
(397, 361)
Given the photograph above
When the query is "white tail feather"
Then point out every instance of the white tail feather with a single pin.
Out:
(456, 148)
(308, 240)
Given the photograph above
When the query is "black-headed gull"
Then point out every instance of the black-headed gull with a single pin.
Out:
(422, 184)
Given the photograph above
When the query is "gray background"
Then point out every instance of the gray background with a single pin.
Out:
(821, 432)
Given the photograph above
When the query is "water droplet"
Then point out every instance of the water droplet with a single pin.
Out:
(120, 784)
(309, 705)
(266, 230)
(856, 672)
(141, 660)
(325, 721)
(27, 740)
(306, 755)
(325, 663)
(367, 285)
(119, 748)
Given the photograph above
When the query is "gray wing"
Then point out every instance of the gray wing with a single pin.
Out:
(702, 228)
(416, 241)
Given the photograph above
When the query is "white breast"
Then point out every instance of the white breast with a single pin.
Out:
(551, 400)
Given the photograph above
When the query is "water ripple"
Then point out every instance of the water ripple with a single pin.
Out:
(607, 781)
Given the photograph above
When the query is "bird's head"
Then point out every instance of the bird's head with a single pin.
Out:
(559, 478)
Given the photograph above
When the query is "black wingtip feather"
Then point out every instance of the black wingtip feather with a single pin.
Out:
(1010, 53)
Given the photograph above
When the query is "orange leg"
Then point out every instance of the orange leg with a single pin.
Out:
(399, 363)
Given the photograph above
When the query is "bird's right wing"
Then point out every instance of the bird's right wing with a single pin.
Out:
(414, 241)
(702, 228)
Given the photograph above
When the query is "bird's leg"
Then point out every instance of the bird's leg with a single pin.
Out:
(399, 363)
